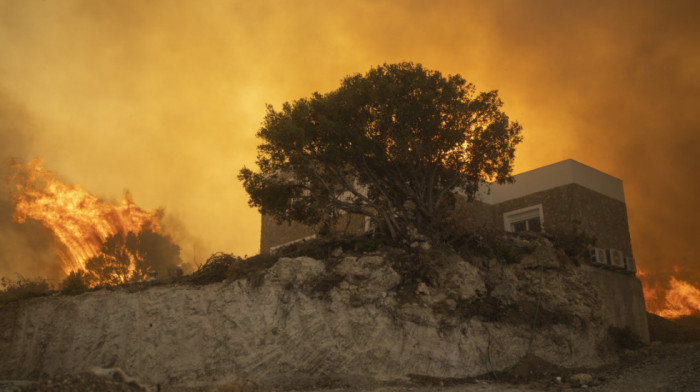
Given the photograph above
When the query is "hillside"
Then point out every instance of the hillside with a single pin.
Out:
(348, 317)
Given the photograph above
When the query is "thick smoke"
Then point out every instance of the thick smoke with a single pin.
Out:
(25, 249)
(166, 100)
(628, 76)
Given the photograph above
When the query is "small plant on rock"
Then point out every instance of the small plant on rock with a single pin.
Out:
(22, 288)
(75, 283)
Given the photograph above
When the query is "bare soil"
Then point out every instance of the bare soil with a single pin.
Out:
(672, 367)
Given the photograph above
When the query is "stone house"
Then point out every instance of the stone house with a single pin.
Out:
(563, 196)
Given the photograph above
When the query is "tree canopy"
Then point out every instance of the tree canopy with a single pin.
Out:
(394, 144)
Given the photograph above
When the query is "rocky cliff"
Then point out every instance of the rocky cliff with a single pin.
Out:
(349, 317)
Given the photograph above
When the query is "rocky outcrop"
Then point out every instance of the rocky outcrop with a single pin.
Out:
(349, 318)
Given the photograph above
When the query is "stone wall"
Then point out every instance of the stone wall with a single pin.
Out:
(564, 208)
(274, 234)
(475, 215)
(567, 207)
(622, 300)
(358, 325)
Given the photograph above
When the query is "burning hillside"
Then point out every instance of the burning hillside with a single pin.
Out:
(110, 243)
(672, 298)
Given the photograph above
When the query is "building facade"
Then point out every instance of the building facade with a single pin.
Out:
(563, 196)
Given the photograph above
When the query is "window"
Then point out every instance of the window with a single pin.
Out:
(524, 219)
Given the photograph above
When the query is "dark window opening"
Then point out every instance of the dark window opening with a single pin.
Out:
(520, 226)
(532, 224)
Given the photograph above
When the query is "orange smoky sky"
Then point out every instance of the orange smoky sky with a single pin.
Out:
(164, 97)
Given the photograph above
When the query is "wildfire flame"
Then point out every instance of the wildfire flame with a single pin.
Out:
(678, 300)
(79, 221)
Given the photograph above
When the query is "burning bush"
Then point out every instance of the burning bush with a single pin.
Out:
(111, 243)
(129, 258)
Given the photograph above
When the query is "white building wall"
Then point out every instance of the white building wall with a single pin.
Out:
(552, 176)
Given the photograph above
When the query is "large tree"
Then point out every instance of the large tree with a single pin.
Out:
(394, 144)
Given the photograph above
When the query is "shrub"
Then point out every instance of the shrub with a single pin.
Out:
(215, 269)
(625, 338)
(252, 268)
(493, 244)
(22, 288)
(75, 283)
(575, 242)
(368, 244)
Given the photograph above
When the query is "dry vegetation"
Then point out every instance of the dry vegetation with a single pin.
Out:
(22, 288)
(413, 265)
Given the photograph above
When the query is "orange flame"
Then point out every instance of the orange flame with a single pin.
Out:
(680, 299)
(78, 220)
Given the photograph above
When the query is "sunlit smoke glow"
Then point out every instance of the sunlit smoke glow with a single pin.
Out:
(176, 94)
(79, 221)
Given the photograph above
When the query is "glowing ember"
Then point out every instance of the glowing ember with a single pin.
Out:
(680, 299)
(79, 221)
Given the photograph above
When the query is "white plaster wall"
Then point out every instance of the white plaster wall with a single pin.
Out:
(552, 176)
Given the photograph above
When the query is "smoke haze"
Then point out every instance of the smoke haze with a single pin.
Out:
(165, 98)
(25, 249)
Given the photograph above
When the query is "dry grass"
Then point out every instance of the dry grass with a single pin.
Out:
(22, 288)
(213, 270)
(222, 266)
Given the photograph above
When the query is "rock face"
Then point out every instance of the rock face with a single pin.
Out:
(347, 318)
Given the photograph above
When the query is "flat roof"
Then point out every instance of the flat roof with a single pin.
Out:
(553, 176)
